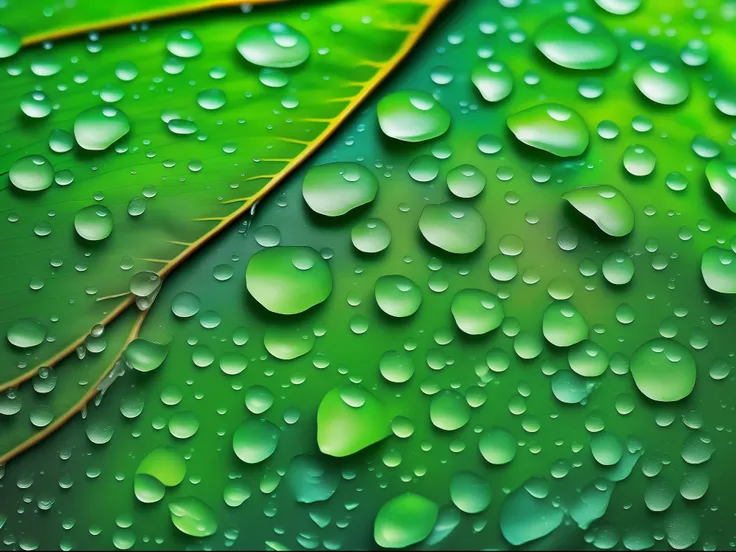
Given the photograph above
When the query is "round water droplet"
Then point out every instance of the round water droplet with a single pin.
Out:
(551, 127)
(26, 333)
(497, 446)
(465, 181)
(587, 359)
(493, 80)
(258, 399)
(639, 160)
(184, 44)
(334, 189)
(661, 82)
(412, 116)
(35, 105)
(563, 325)
(396, 366)
(275, 45)
(371, 236)
(183, 425)
(663, 370)
(288, 280)
(97, 128)
(718, 267)
(9, 42)
(32, 173)
(93, 223)
(255, 440)
(212, 98)
(576, 42)
(448, 410)
(453, 227)
(606, 447)
(470, 492)
(618, 268)
(477, 312)
(397, 296)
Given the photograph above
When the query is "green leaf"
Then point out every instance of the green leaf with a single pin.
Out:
(149, 163)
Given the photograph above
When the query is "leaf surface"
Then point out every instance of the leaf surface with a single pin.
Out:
(168, 187)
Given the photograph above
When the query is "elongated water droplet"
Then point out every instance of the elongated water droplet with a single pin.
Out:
(404, 520)
(32, 173)
(576, 42)
(453, 226)
(334, 189)
(718, 267)
(722, 179)
(604, 205)
(97, 128)
(662, 82)
(493, 80)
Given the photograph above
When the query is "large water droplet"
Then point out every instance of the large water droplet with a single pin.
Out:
(97, 128)
(9, 42)
(311, 479)
(412, 116)
(397, 296)
(493, 80)
(718, 267)
(563, 325)
(32, 173)
(722, 179)
(477, 312)
(663, 370)
(26, 333)
(661, 82)
(371, 236)
(576, 42)
(287, 343)
(452, 226)
(255, 440)
(604, 205)
(349, 419)
(551, 127)
(334, 189)
(404, 520)
(93, 223)
(145, 356)
(448, 410)
(470, 492)
(529, 513)
(193, 517)
(184, 44)
(275, 45)
(288, 280)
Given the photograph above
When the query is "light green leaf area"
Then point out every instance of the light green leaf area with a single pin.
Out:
(155, 140)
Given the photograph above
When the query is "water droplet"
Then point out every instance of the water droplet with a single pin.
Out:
(97, 128)
(605, 206)
(618, 268)
(275, 45)
(639, 160)
(334, 189)
(287, 343)
(32, 173)
(453, 227)
(311, 479)
(619, 7)
(184, 44)
(587, 359)
(371, 236)
(469, 492)
(26, 333)
(477, 312)
(448, 410)
(404, 520)
(288, 280)
(396, 366)
(93, 223)
(212, 98)
(550, 127)
(465, 181)
(722, 179)
(563, 325)
(9, 42)
(493, 80)
(718, 267)
(183, 425)
(145, 356)
(193, 517)
(661, 82)
(412, 116)
(576, 42)
(663, 370)
(255, 440)
(349, 419)
(35, 105)
(397, 296)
